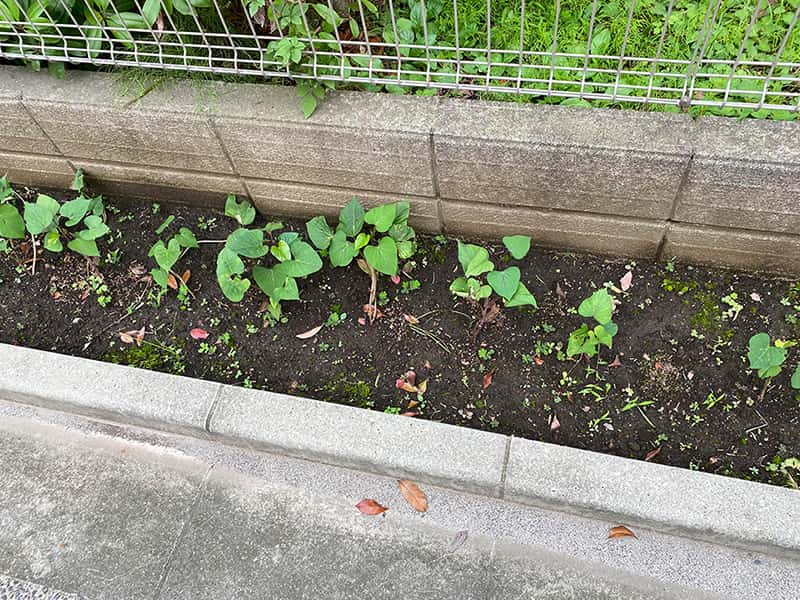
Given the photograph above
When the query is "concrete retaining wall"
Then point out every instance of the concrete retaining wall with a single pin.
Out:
(655, 185)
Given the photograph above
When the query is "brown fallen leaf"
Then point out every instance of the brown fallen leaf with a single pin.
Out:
(369, 310)
(620, 531)
(134, 335)
(411, 319)
(409, 414)
(172, 282)
(310, 333)
(487, 379)
(625, 282)
(538, 361)
(615, 363)
(652, 454)
(368, 506)
(185, 277)
(413, 495)
(198, 334)
(554, 423)
(412, 404)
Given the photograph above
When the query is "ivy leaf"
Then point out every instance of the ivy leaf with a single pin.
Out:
(764, 356)
(85, 247)
(247, 242)
(517, 245)
(161, 277)
(599, 305)
(12, 225)
(383, 257)
(52, 241)
(504, 282)
(281, 251)
(342, 251)
(95, 228)
(242, 211)
(319, 232)
(382, 217)
(229, 268)
(362, 239)
(186, 238)
(166, 256)
(474, 259)
(75, 210)
(521, 297)
(305, 260)
(39, 215)
(351, 218)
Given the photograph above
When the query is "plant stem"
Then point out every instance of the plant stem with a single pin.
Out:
(764, 389)
(33, 265)
(373, 292)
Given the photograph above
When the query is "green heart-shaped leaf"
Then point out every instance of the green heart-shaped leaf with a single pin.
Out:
(242, 211)
(474, 259)
(517, 245)
(504, 282)
(599, 306)
(247, 242)
(52, 241)
(85, 247)
(382, 217)
(342, 251)
(521, 297)
(383, 257)
(319, 232)
(305, 260)
(351, 218)
(12, 225)
(75, 210)
(166, 256)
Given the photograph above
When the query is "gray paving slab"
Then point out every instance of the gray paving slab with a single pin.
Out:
(240, 473)
(84, 517)
(19, 589)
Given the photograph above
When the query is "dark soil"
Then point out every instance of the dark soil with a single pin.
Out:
(676, 346)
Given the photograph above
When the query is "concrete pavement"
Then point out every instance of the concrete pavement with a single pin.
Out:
(97, 510)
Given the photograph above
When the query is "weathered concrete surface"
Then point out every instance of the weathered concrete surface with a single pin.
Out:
(586, 232)
(602, 181)
(104, 390)
(691, 503)
(369, 440)
(268, 526)
(19, 589)
(599, 161)
(81, 519)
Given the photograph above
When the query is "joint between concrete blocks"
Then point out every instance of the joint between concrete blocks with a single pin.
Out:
(227, 155)
(46, 135)
(435, 180)
(212, 409)
(504, 469)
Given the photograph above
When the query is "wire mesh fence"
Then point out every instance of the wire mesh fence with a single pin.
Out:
(727, 54)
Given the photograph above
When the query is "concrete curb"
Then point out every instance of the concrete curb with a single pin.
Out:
(622, 182)
(698, 505)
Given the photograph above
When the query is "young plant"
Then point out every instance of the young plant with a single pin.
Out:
(167, 255)
(388, 230)
(768, 358)
(587, 340)
(79, 222)
(480, 278)
(295, 259)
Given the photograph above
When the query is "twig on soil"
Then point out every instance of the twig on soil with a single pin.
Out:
(33, 264)
(430, 335)
(764, 423)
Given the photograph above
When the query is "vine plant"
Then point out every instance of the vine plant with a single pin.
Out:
(387, 226)
(79, 222)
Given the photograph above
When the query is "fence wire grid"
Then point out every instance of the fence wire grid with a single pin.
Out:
(735, 54)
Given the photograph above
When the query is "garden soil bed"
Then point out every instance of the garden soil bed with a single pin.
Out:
(679, 353)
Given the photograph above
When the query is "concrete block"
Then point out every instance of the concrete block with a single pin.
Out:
(103, 390)
(707, 506)
(751, 250)
(155, 184)
(605, 162)
(744, 194)
(560, 230)
(36, 170)
(373, 160)
(19, 133)
(386, 444)
(293, 200)
(107, 133)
